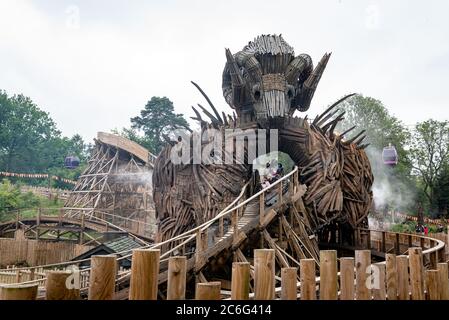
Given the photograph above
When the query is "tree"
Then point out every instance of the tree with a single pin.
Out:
(30, 141)
(392, 186)
(156, 120)
(380, 127)
(430, 153)
(441, 196)
(23, 129)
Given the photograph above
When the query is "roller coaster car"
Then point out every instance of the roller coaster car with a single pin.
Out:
(390, 156)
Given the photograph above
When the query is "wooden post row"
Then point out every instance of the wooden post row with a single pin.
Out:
(363, 271)
(18, 292)
(264, 274)
(403, 277)
(328, 275)
(208, 291)
(59, 287)
(144, 274)
(307, 278)
(288, 283)
(176, 283)
(347, 278)
(240, 281)
(416, 273)
(392, 276)
(102, 277)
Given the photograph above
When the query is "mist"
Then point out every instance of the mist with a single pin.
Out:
(390, 195)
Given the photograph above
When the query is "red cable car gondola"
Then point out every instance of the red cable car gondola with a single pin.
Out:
(390, 156)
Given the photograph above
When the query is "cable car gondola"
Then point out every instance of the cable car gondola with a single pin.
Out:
(71, 162)
(390, 156)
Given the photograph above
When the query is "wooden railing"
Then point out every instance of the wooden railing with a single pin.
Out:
(198, 237)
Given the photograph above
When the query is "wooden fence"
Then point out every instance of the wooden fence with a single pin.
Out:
(400, 277)
(33, 252)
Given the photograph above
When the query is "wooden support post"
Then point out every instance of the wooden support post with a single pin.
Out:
(102, 277)
(38, 222)
(32, 272)
(261, 207)
(221, 227)
(307, 278)
(363, 270)
(443, 282)
(57, 286)
(18, 292)
(235, 224)
(264, 279)
(379, 290)
(60, 216)
(392, 276)
(347, 278)
(397, 244)
(403, 278)
(18, 276)
(17, 219)
(288, 283)
(81, 238)
(422, 243)
(384, 242)
(240, 281)
(280, 198)
(208, 291)
(176, 283)
(432, 278)
(144, 274)
(433, 257)
(410, 241)
(328, 275)
(368, 240)
(416, 273)
(201, 246)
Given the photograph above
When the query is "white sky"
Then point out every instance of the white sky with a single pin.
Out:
(93, 64)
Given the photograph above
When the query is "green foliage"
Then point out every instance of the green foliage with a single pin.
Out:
(430, 153)
(156, 119)
(11, 198)
(405, 227)
(30, 141)
(381, 128)
(393, 187)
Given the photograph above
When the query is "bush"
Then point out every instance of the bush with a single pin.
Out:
(12, 198)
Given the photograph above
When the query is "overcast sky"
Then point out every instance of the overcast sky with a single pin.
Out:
(93, 64)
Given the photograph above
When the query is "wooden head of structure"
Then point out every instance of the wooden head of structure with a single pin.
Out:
(265, 79)
(265, 83)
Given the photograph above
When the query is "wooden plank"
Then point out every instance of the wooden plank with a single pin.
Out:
(392, 277)
(347, 278)
(403, 278)
(328, 275)
(363, 265)
(307, 278)
(416, 273)
(288, 283)
(443, 281)
(176, 283)
(264, 280)
(240, 281)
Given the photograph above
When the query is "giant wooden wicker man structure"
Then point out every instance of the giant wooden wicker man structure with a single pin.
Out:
(265, 84)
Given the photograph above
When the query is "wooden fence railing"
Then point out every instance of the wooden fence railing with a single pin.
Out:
(198, 238)
(401, 277)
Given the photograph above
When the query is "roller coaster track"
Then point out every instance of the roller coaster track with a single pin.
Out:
(247, 215)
